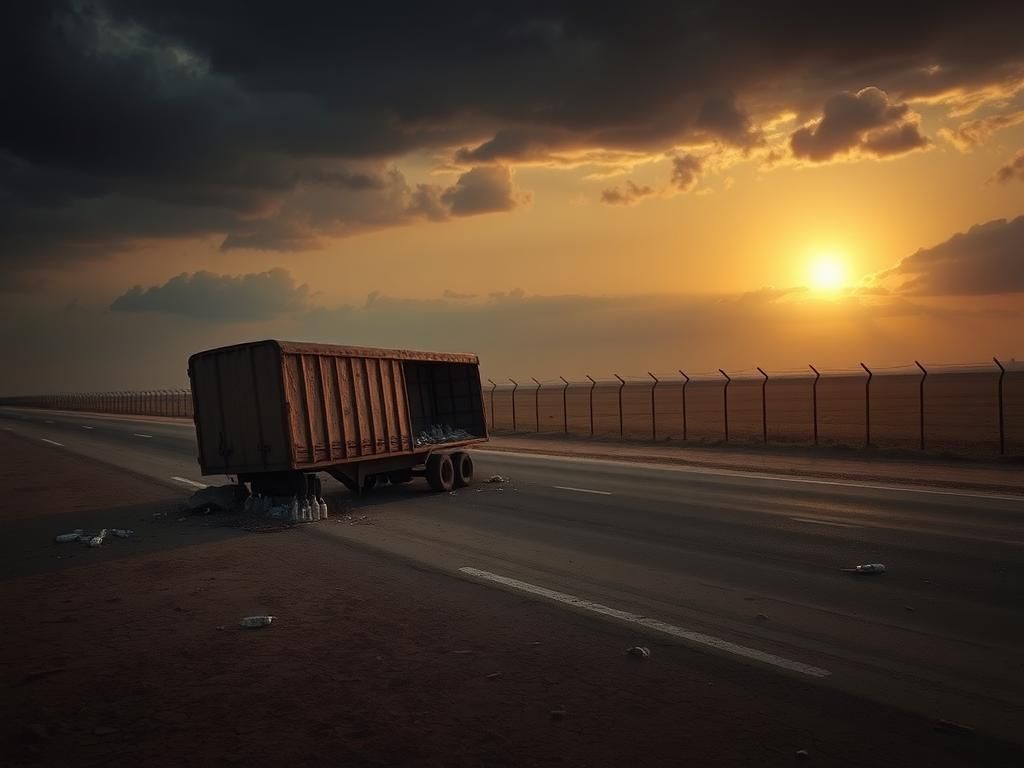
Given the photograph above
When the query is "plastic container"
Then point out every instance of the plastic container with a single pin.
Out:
(253, 622)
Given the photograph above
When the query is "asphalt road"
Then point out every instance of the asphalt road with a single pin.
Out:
(743, 566)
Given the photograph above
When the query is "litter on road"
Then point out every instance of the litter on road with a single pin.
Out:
(254, 622)
(639, 652)
(867, 568)
(224, 498)
(496, 479)
(66, 537)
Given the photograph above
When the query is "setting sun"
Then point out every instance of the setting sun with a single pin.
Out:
(828, 272)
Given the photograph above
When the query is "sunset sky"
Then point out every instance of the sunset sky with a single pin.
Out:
(560, 188)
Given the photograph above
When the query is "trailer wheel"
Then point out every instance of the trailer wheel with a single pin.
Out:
(369, 482)
(440, 472)
(463, 463)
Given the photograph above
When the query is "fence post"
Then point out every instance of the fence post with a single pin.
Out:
(814, 400)
(593, 384)
(565, 406)
(514, 388)
(493, 387)
(764, 406)
(536, 403)
(1002, 433)
(725, 401)
(622, 383)
(686, 380)
(654, 415)
(867, 406)
(920, 398)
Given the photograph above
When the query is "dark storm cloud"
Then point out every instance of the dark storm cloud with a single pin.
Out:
(221, 298)
(686, 171)
(986, 259)
(626, 195)
(721, 117)
(866, 121)
(203, 118)
(1012, 170)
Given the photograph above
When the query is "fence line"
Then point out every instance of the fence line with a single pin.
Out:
(926, 408)
(950, 408)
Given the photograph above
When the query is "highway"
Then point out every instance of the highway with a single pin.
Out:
(746, 567)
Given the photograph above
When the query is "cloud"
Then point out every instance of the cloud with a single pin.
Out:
(628, 195)
(686, 170)
(195, 120)
(987, 259)
(219, 298)
(969, 135)
(1014, 169)
(722, 118)
(486, 189)
(866, 122)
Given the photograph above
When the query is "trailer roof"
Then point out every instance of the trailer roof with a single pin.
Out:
(337, 350)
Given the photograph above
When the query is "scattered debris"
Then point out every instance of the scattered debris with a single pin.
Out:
(254, 622)
(948, 726)
(64, 538)
(98, 539)
(803, 754)
(639, 652)
(122, 533)
(494, 675)
(762, 617)
(558, 714)
(909, 608)
(215, 498)
(442, 434)
(868, 568)
(495, 479)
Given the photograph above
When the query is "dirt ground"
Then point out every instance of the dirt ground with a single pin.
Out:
(131, 654)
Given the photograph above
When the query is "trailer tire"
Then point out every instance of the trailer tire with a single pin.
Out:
(369, 482)
(440, 472)
(463, 463)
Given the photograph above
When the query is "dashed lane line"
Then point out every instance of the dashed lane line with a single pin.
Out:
(696, 638)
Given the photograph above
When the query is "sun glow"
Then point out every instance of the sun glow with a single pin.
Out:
(827, 272)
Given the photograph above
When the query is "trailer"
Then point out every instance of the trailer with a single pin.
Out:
(276, 413)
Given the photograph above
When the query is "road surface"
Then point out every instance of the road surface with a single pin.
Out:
(746, 567)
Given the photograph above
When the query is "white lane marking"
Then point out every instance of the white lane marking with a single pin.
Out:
(193, 483)
(812, 521)
(653, 465)
(52, 442)
(659, 626)
(582, 490)
(86, 426)
(137, 434)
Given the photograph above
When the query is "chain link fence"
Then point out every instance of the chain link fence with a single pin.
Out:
(972, 408)
(155, 402)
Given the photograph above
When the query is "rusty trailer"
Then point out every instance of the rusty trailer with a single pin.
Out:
(274, 413)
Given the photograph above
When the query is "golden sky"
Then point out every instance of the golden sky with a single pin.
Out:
(533, 191)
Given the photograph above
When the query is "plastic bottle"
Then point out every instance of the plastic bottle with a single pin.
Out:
(122, 533)
(66, 537)
(293, 512)
(252, 622)
(314, 508)
(323, 508)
